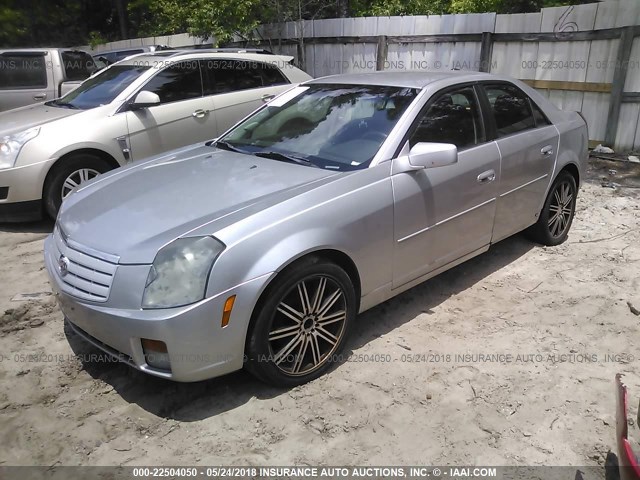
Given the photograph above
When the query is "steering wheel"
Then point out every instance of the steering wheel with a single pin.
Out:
(377, 136)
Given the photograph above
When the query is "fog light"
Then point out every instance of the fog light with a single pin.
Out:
(156, 354)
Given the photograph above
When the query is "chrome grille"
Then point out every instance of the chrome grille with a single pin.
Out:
(89, 273)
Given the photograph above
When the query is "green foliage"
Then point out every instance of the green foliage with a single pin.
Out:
(475, 6)
(78, 22)
(13, 25)
(368, 8)
(95, 39)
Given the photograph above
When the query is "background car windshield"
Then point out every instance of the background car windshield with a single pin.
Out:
(102, 88)
(338, 127)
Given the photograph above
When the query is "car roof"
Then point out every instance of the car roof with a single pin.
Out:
(127, 49)
(409, 79)
(41, 49)
(152, 57)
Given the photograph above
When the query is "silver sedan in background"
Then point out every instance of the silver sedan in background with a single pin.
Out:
(259, 249)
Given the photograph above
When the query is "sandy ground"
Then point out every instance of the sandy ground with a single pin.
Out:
(553, 324)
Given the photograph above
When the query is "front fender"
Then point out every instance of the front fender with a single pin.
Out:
(354, 218)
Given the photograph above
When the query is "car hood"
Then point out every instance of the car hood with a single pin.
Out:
(133, 211)
(18, 119)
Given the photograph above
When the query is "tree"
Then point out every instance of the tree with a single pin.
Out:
(475, 6)
(368, 8)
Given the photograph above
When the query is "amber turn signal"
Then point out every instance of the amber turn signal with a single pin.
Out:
(226, 312)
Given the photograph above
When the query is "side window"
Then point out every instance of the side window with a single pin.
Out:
(511, 109)
(22, 71)
(452, 117)
(271, 75)
(538, 116)
(224, 76)
(180, 81)
(78, 66)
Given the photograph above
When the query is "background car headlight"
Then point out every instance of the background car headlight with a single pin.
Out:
(180, 272)
(11, 145)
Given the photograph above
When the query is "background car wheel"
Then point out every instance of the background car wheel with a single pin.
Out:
(557, 213)
(302, 325)
(67, 175)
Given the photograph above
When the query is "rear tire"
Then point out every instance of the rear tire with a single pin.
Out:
(66, 175)
(302, 324)
(557, 213)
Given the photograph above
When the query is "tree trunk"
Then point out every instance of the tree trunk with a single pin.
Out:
(122, 18)
(343, 8)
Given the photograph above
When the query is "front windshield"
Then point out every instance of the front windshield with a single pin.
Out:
(337, 127)
(101, 89)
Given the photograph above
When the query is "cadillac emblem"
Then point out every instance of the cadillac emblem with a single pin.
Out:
(63, 265)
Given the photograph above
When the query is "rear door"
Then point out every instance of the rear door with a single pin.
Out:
(442, 214)
(238, 87)
(528, 146)
(183, 117)
(26, 77)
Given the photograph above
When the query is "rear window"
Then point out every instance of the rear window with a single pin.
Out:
(77, 65)
(23, 71)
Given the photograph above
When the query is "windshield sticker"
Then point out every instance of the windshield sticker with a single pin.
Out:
(287, 96)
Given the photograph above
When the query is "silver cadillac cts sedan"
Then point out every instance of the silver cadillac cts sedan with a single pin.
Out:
(259, 249)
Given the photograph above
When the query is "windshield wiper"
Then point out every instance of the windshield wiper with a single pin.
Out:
(284, 157)
(57, 103)
(225, 146)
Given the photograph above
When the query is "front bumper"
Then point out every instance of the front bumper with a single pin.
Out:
(198, 347)
(24, 184)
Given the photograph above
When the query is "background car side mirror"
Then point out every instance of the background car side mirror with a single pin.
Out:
(145, 99)
(426, 155)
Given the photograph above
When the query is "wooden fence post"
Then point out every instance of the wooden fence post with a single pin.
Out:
(381, 55)
(617, 87)
(486, 51)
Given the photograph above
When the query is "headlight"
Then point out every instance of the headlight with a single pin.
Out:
(11, 145)
(180, 272)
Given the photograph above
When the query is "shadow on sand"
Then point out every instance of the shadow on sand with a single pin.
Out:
(196, 401)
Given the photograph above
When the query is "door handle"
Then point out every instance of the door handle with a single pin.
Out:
(546, 151)
(486, 177)
(200, 113)
(40, 96)
(267, 98)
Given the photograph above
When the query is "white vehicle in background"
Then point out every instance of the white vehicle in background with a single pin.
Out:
(108, 57)
(141, 106)
(32, 75)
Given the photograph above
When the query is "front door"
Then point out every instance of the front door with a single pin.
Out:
(442, 214)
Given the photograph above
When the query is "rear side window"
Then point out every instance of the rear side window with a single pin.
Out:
(224, 76)
(18, 71)
(271, 75)
(540, 118)
(180, 81)
(511, 109)
(78, 66)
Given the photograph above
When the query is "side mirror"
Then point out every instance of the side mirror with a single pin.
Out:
(427, 155)
(145, 99)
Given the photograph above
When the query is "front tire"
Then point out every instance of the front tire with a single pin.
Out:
(67, 175)
(302, 325)
(557, 213)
